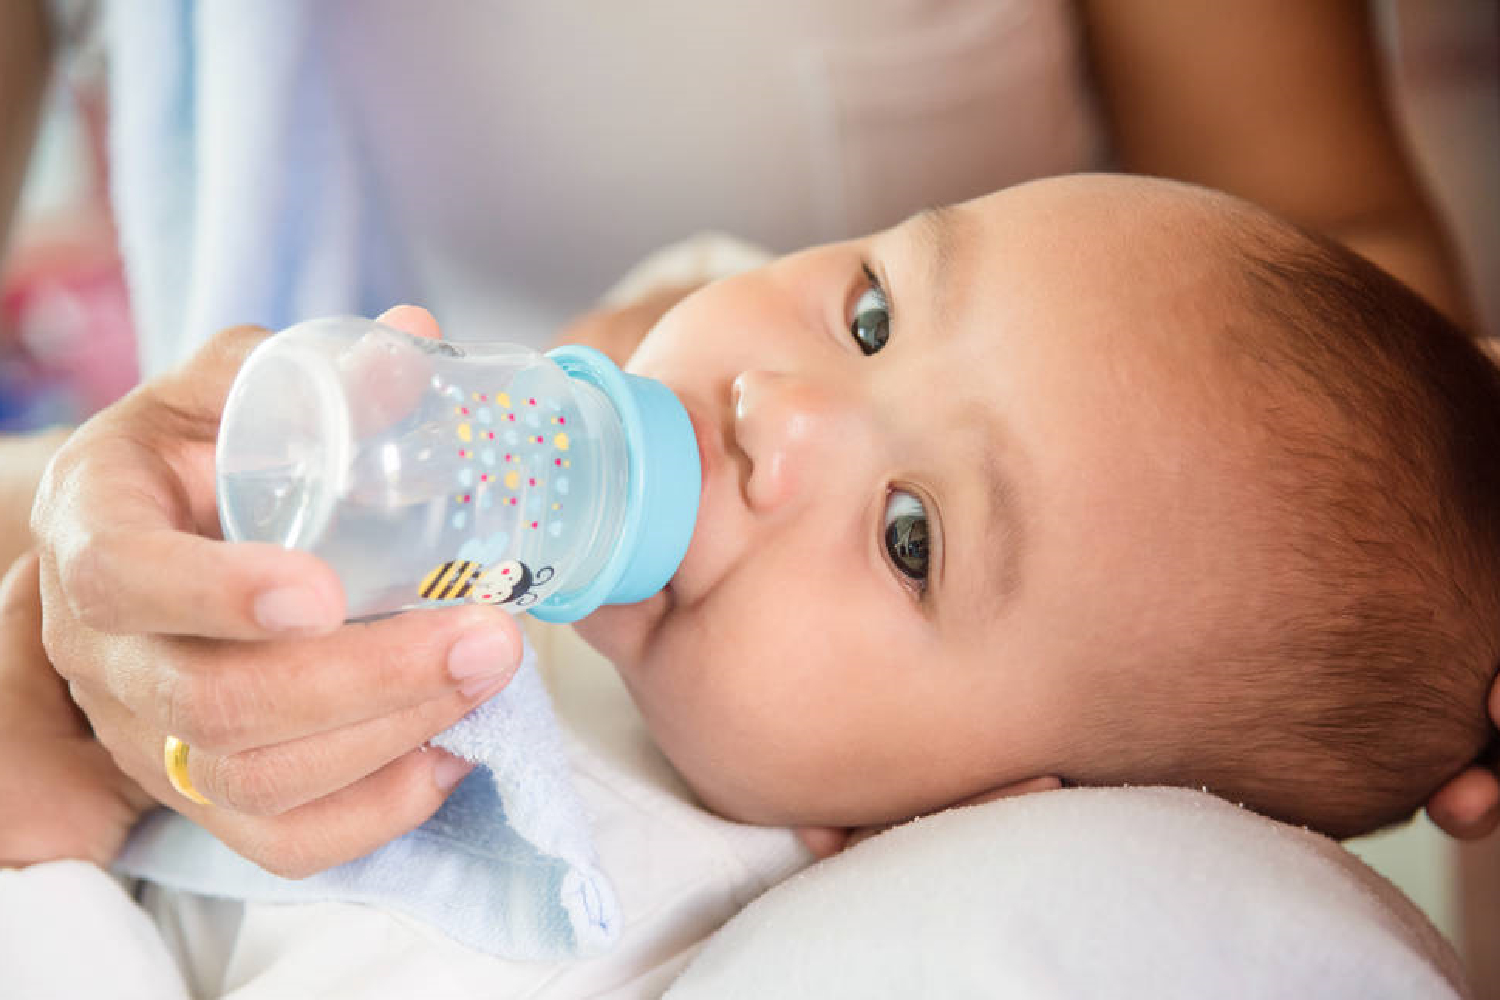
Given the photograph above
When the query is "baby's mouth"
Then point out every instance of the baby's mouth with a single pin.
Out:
(714, 456)
(710, 448)
(708, 436)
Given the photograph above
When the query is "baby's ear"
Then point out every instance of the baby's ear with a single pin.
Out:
(826, 841)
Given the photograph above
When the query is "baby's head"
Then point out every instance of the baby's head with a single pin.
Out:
(1111, 479)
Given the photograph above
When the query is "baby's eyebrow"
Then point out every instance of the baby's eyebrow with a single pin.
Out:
(940, 235)
(938, 229)
(1005, 534)
(1000, 528)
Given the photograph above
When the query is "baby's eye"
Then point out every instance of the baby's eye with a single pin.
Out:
(870, 326)
(906, 536)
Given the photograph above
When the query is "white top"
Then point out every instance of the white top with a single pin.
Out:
(502, 162)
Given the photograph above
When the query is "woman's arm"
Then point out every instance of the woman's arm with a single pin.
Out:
(25, 59)
(1281, 102)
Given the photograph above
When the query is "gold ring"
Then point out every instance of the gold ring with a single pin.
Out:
(174, 754)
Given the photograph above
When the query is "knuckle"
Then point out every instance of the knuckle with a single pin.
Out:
(248, 783)
(228, 348)
(389, 664)
(279, 850)
(409, 665)
(50, 484)
(200, 709)
(56, 641)
(84, 577)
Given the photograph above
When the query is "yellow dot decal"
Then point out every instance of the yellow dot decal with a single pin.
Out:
(561, 441)
(503, 399)
(465, 432)
(511, 479)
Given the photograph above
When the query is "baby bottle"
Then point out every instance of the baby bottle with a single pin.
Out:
(429, 473)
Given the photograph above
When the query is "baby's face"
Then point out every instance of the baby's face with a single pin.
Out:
(952, 474)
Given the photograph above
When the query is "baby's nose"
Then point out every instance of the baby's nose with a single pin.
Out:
(798, 433)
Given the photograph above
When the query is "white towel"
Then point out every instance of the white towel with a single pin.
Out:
(507, 866)
(265, 212)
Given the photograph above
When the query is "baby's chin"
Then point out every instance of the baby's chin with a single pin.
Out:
(620, 632)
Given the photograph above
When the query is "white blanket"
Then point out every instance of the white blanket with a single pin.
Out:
(1149, 893)
(1143, 892)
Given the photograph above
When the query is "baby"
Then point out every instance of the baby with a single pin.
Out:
(1110, 479)
(1095, 480)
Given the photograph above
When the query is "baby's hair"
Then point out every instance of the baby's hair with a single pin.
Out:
(1368, 689)
(1349, 678)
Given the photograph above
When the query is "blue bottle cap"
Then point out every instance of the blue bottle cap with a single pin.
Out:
(665, 481)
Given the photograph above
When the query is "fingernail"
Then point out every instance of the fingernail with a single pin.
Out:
(449, 770)
(287, 609)
(481, 659)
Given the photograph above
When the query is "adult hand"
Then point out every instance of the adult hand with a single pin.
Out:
(307, 735)
(1468, 806)
(60, 794)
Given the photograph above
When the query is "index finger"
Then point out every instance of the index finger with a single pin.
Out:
(166, 581)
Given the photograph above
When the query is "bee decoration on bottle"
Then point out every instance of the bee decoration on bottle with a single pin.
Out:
(508, 582)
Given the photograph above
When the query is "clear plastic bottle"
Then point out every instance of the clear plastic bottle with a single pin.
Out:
(430, 473)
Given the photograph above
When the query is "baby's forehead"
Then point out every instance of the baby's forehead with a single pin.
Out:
(1104, 204)
(1126, 239)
